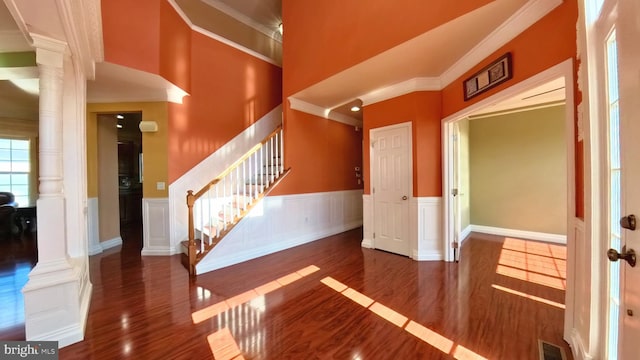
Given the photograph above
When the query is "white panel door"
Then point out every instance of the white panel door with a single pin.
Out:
(616, 32)
(391, 187)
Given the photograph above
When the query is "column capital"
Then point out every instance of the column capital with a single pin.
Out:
(49, 51)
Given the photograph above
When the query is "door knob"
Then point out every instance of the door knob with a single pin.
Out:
(628, 222)
(628, 256)
(404, 197)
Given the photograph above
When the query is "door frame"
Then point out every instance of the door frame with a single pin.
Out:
(372, 158)
(563, 69)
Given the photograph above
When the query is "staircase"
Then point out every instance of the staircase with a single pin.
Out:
(219, 206)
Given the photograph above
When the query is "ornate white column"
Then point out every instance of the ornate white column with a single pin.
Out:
(53, 293)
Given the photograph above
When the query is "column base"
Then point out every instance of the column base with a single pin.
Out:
(56, 302)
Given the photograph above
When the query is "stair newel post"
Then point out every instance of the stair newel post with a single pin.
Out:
(191, 199)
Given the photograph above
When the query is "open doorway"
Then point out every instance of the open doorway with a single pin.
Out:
(120, 179)
(452, 232)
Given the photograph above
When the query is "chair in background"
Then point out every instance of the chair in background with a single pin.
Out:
(8, 209)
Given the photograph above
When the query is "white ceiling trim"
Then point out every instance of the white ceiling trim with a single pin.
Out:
(522, 19)
(403, 88)
(297, 104)
(219, 38)
(242, 18)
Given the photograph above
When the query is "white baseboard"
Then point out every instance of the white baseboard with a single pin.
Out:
(529, 235)
(577, 346)
(367, 243)
(106, 245)
(282, 222)
(427, 256)
(464, 234)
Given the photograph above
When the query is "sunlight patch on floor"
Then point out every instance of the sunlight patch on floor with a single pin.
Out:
(251, 295)
(533, 261)
(224, 346)
(528, 296)
(421, 332)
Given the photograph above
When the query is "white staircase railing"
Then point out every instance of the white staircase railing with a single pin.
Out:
(218, 206)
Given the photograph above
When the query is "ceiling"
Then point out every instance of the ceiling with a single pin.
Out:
(426, 56)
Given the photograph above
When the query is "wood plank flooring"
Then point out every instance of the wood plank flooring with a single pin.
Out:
(330, 299)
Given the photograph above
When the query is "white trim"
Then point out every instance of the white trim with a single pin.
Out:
(155, 228)
(106, 245)
(426, 255)
(300, 105)
(93, 227)
(563, 69)
(219, 38)
(464, 234)
(367, 221)
(402, 88)
(522, 19)
(521, 234)
(243, 18)
(577, 346)
(281, 222)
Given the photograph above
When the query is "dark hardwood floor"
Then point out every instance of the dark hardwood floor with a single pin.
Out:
(330, 299)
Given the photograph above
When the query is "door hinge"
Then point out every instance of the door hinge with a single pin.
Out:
(373, 190)
(374, 235)
(454, 244)
(454, 192)
(373, 143)
(454, 137)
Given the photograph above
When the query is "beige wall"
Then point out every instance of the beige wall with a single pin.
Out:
(107, 155)
(154, 145)
(518, 171)
(464, 189)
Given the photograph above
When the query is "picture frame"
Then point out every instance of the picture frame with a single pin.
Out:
(495, 73)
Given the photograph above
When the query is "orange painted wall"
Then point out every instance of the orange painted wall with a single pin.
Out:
(423, 110)
(131, 33)
(230, 90)
(322, 154)
(546, 43)
(324, 37)
(175, 48)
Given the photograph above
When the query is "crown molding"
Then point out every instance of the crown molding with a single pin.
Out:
(305, 107)
(522, 19)
(243, 18)
(402, 88)
(219, 38)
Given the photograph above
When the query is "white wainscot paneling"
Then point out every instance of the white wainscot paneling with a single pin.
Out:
(92, 226)
(281, 222)
(580, 302)
(367, 221)
(210, 168)
(426, 225)
(155, 223)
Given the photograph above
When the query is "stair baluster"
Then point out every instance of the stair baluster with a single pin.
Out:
(227, 199)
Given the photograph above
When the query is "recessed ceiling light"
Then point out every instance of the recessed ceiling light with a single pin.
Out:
(355, 109)
(119, 117)
(119, 126)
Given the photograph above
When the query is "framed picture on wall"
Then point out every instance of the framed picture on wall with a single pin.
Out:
(496, 73)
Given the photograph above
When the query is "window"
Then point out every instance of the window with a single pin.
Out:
(15, 168)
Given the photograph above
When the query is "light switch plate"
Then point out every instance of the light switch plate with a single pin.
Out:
(160, 185)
